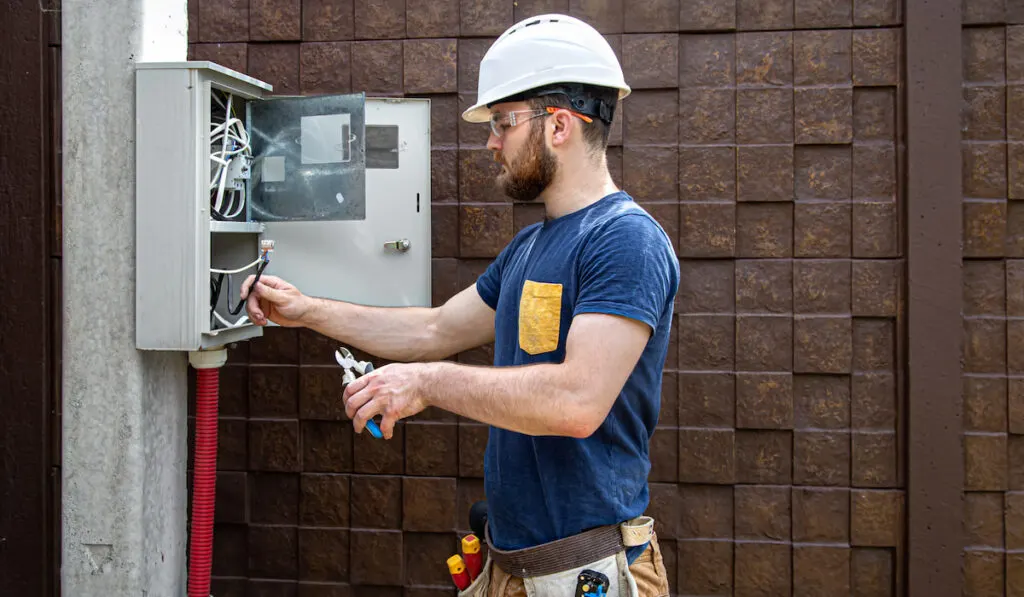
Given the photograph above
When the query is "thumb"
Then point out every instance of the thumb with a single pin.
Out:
(271, 294)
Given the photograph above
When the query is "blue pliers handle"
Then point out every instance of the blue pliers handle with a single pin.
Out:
(346, 360)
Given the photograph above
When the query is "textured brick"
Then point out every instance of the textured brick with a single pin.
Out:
(872, 572)
(664, 507)
(234, 392)
(764, 286)
(822, 230)
(764, 14)
(275, 20)
(707, 116)
(325, 67)
(874, 345)
(224, 21)
(985, 403)
(764, 116)
(985, 461)
(273, 552)
(985, 345)
(233, 445)
(763, 343)
(651, 117)
(231, 55)
(764, 457)
(1015, 229)
(607, 16)
(1014, 571)
(472, 444)
(274, 446)
(707, 173)
(823, 172)
(822, 57)
(532, 8)
(320, 393)
(822, 345)
(763, 569)
(707, 229)
(1015, 462)
(821, 286)
(428, 504)
(875, 229)
(277, 64)
(983, 519)
(230, 551)
(484, 18)
(823, 115)
(821, 570)
(762, 512)
(371, 455)
(876, 288)
(1015, 346)
(991, 103)
(984, 170)
(324, 500)
(983, 573)
(874, 114)
(764, 59)
(423, 551)
(664, 454)
(764, 230)
(377, 67)
(1015, 406)
(1014, 287)
(432, 449)
(875, 517)
(328, 20)
(984, 54)
(637, 51)
(821, 401)
(484, 230)
(430, 65)
(431, 18)
(472, 134)
(984, 113)
(708, 288)
(1015, 174)
(874, 171)
(1015, 43)
(524, 214)
(706, 456)
(669, 413)
(706, 511)
(707, 15)
(444, 230)
(706, 61)
(984, 228)
(984, 11)
(764, 173)
(764, 400)
(374, 560)
(653, 16)
(821, 515)
(816, 14)
(379, 19)
(705, 567)
(651, 173)
(477, 172)
(376, 501)
(326, 446)
(821, 458)
(874, 460)
(876, 55)
(231, 499)
(706, 400)
(1014, 521)
(323, 554)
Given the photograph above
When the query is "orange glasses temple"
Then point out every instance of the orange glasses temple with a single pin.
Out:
(587, 119)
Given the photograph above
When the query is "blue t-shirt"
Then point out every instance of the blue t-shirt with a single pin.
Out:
(609, 257)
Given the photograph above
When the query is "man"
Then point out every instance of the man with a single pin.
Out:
(579, 307)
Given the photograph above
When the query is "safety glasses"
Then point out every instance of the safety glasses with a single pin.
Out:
(502, 121)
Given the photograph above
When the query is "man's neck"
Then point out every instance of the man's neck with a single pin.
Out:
(575, 188)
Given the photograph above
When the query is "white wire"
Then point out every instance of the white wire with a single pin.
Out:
(239, 270)
(231, 129)
(227, 323)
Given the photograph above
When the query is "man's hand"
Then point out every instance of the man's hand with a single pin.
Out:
(276, 300)
(393, 391)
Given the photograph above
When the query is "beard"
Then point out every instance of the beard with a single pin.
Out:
(531, 172)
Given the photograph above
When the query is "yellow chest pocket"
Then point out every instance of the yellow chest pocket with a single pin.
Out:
(540, 314)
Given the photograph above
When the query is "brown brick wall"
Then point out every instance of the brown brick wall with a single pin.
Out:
(993, 423)
(765, 137)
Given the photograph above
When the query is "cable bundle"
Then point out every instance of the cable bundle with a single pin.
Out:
(232, 154)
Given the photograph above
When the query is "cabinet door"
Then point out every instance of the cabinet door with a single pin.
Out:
(382, 256)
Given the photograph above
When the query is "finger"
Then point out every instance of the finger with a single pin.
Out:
(354, 387)
(255, 310)
(366, 412)
(271, 294)
(244, 292)
(387, 423)
(356, 398)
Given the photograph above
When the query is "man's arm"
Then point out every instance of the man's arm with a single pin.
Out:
(571, 399)
(396, 334)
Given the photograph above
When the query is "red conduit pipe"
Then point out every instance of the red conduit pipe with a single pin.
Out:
(204, 470)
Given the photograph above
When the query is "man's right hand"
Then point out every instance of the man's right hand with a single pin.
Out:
(275, 300)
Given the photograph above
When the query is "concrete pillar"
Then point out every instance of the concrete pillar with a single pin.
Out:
(124, 412)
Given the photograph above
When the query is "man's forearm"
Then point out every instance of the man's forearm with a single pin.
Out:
(535, 399)
(396, 334)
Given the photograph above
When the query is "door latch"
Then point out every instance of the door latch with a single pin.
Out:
(399, 245)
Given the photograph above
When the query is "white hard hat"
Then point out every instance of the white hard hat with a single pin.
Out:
(541, 51)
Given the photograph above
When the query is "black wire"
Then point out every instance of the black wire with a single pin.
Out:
(241, 303)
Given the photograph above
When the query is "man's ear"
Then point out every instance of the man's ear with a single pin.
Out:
(563, 128)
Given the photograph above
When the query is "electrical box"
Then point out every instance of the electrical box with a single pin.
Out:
(329, 192)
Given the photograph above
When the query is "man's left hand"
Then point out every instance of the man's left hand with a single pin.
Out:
(394, 391)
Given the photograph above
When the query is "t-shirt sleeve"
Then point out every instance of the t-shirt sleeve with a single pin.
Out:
(628, 269)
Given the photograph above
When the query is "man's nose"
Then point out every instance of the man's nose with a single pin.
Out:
(493, 142)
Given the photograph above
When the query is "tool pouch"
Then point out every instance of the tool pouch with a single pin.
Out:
(564, 584)
(479, 586)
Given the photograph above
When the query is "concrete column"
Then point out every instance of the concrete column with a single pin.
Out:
(124, 413)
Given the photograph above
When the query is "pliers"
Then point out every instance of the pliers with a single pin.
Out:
(349, 362)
